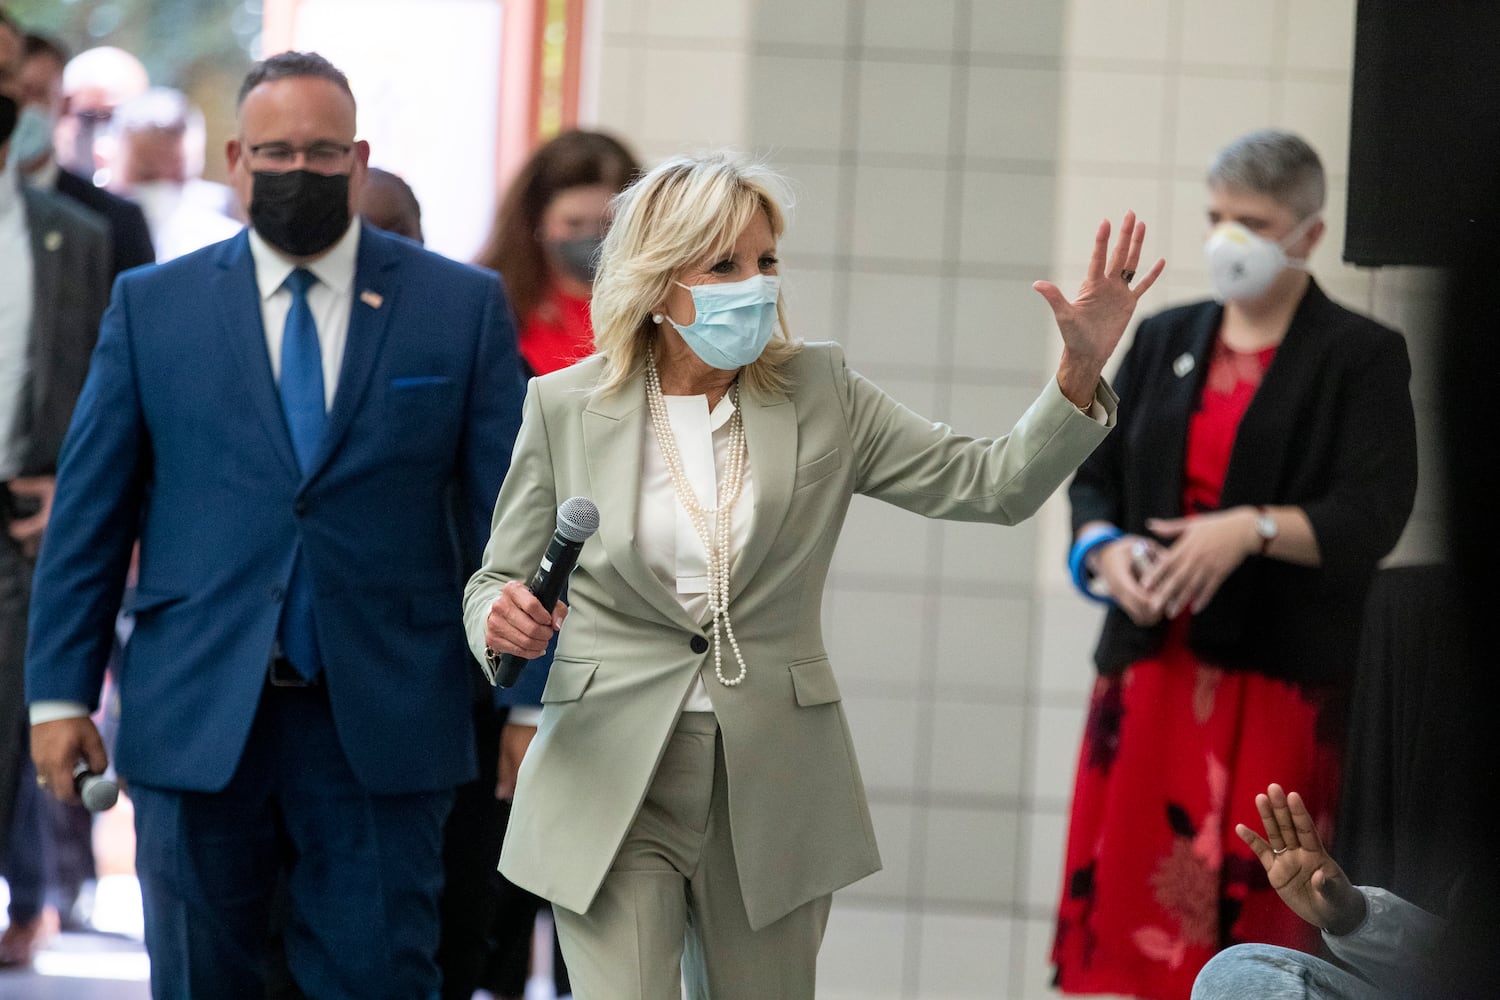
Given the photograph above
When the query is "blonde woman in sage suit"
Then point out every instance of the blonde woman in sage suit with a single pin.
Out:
(691, 798)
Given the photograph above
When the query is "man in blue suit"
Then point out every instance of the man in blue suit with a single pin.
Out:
(286, 421)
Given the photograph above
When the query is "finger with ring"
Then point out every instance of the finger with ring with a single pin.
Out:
(1128, 275)
(1279, 851)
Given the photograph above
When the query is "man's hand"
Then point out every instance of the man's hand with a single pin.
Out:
(515, 740)
(32, 491)
(58, 746)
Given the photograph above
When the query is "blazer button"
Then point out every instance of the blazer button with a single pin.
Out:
(698, 644)
(299, 507)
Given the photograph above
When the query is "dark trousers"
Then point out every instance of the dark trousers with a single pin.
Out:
(487, 921)
(362, 873)
(15, 733)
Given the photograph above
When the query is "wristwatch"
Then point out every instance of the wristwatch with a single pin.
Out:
(1265, 527)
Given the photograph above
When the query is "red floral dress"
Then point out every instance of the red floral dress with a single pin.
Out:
(1175, 749)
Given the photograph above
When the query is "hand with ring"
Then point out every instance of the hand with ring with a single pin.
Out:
(1092, 323)
(1308, 880)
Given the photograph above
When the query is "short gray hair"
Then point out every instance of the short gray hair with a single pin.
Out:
(1272, 162)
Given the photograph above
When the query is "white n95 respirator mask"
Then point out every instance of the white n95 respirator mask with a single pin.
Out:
(1243, 265)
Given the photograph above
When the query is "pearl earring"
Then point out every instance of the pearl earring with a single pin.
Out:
(656, 317)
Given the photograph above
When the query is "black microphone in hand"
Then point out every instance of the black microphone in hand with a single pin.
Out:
(97, 792)
(577, 519)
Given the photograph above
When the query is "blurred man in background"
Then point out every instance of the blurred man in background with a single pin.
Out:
(157, 162)
(40, 91)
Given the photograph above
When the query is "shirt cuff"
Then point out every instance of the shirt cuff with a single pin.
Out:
(52, 711)
(524, 715)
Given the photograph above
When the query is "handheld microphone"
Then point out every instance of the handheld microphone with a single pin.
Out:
(577, 519)
(97, 792)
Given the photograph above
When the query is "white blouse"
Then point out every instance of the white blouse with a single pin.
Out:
(664, 532)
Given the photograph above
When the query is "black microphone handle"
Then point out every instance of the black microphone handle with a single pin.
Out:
(546, 584)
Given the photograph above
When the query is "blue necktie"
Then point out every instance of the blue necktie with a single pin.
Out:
(302, 372)
(302, 401)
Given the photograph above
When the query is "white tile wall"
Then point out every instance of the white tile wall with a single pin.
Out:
(970, 855)
(976, 749)
(895, 108)
(1012, 113)
(1228, 33)
(910, 27)
(944, 155)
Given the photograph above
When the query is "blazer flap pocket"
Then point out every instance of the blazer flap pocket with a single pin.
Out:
(140, 601)
(818, 468)
(813, 682)
(568, 679)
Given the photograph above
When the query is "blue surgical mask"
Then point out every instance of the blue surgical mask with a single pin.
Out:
(735, 320)
(32, 137)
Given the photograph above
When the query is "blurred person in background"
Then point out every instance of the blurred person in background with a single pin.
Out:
(1265, 462)
(158, 163)
(389, 203)
(95, 82)
(53, 286)
(65, 858)
(545, 242)
(41, 94)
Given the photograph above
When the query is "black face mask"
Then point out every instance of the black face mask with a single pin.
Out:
(299, 212)
(579, 257)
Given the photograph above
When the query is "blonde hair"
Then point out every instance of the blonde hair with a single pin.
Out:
(684, 210)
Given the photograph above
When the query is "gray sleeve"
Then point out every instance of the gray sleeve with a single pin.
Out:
(1393, 943)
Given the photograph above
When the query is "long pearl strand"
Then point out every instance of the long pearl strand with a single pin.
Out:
(716, 539)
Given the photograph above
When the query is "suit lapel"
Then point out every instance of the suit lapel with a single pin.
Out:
(612, 430)
(771, 438)
(244, 332)
(375, 284)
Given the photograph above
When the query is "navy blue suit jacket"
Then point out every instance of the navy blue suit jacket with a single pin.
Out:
(179, 439)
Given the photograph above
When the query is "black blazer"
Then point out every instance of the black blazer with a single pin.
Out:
(70, 288)
(127, 223)
(1330, 430)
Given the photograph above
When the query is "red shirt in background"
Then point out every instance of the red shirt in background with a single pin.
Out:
(557, 333)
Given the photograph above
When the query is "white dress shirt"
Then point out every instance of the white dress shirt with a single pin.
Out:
(16, 305)
(331, 300)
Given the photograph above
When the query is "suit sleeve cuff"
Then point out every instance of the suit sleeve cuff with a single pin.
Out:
(52, 711)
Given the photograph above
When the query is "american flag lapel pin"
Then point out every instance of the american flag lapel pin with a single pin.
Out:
(371, 299)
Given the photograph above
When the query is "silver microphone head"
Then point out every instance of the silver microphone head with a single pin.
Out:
(577, 519)
(97, 792)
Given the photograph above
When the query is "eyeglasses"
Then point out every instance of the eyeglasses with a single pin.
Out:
(318, 156)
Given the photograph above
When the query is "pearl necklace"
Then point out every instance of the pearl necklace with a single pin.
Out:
(716, 539)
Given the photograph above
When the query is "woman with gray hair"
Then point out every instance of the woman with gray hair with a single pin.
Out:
(691, 798)
(1265, 462)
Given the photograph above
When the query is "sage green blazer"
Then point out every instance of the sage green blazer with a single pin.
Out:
(624, 663)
